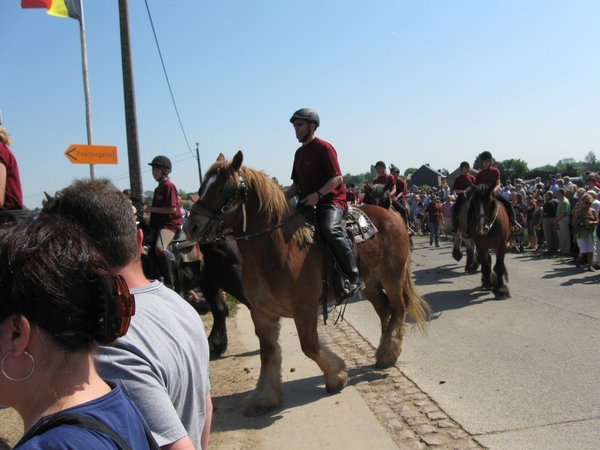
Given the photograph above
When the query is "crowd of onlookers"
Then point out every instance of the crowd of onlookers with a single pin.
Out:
(557, 216)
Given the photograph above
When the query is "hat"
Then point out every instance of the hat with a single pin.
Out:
(380, 164)
(393, 168)
(552, 180)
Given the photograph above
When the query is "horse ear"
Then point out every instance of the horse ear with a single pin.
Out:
(237, 160)
(221, 158)
(368, 187)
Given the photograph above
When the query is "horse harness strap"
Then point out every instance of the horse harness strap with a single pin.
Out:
(494, 217)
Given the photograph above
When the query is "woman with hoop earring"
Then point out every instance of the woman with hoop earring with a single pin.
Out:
(58, 300)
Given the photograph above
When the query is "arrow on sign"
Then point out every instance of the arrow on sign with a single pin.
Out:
(92, 154)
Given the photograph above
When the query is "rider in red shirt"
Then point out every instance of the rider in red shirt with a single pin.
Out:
(165, 215)
(461, 184)
(488, 175)
(317, 180)
(11, 196)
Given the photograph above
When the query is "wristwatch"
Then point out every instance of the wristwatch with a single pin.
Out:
(319, 194)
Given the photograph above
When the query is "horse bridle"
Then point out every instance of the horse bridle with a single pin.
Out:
(494, 216)
(231, 191)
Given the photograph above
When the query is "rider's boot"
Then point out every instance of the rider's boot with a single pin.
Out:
(348, 264)
(165, 268)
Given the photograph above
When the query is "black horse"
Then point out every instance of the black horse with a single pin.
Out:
(379, 194)
(219, 268)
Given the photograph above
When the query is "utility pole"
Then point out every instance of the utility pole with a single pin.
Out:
(133, 150)
(199, 166)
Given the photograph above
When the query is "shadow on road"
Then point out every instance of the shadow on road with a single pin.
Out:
(457, 299)
(437, 275)
(296, 393)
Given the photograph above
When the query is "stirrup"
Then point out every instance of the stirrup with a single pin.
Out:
(466, 235)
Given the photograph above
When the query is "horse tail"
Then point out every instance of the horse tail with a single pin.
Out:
(417, 307)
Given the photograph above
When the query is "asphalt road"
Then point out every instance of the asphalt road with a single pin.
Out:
(521, 373)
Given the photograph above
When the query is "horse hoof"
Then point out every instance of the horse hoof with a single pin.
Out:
(334, 388)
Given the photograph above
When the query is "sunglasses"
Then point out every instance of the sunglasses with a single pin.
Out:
(299, 123)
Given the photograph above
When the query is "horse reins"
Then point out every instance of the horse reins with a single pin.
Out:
(495, 216)
(229, 207)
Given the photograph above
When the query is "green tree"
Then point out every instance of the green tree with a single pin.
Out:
(512, 168)
(148, 196)
(410, 171)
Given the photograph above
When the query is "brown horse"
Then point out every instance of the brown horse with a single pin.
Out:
(472, 264)
(490, 229)
(283, 269)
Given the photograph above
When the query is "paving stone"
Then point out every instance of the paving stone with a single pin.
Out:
(445, 424)
(418, 420)
(394, 424)
(426, 429)
(427, 406)
(436, 415)
(405, 435)
(457, 434)
(433, 440)
(388, 415)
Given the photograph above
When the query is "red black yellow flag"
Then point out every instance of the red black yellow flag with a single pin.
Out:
(59, 8)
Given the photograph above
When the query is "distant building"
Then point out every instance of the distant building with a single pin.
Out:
(426, 175)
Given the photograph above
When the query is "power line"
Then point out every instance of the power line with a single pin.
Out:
(167, 77)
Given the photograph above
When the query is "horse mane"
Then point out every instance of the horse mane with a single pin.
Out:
(271, 201)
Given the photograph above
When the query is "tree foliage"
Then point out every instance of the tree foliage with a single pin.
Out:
(512, 168)
(410, 171)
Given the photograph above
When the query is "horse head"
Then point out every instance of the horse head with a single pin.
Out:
(221, 193)
(485, 207)
(378, 194)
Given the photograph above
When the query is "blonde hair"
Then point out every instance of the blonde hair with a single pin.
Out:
(4, 137)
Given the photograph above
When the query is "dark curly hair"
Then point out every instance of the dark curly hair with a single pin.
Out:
(47, 272)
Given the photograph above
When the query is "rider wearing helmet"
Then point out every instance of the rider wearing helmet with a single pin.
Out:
(317, 180)
(165, 215)
(462, 182)
(488, 175)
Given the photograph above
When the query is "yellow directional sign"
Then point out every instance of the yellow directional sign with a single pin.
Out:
(92, 154)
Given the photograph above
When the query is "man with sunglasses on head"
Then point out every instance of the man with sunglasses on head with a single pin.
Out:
(318, 182)
(162, 362)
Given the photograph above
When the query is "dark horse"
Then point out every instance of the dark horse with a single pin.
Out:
(472, 264)
(379, 194)
(283, 270)
(490, 228)
(220, 268)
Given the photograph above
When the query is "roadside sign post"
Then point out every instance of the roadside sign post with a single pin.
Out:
(92, 154)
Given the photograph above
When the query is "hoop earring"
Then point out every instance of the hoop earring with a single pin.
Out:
(18, 379)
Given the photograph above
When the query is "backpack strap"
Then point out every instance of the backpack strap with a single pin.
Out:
(80, 421)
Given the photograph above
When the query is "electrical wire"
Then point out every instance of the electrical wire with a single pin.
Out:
(167, 78)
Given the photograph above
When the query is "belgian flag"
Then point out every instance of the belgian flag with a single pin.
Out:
(59, 8)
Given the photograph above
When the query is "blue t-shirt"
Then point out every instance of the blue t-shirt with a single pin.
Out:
(114, 409)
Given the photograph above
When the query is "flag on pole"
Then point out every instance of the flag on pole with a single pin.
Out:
(59, 8)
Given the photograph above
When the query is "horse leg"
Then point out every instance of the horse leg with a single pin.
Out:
(392, 323)
(268, 393)
(472, 263)
(217, 340)
(486, 279)
(500, 287)
(333, 367)
(457, 250)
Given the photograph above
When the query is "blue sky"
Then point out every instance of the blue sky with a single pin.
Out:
(406, 82)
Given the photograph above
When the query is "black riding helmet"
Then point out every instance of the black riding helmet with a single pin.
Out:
(380, 164)
(465, 164)
(393, 168)
(161, 161)
(307, 114)
(485, 156)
